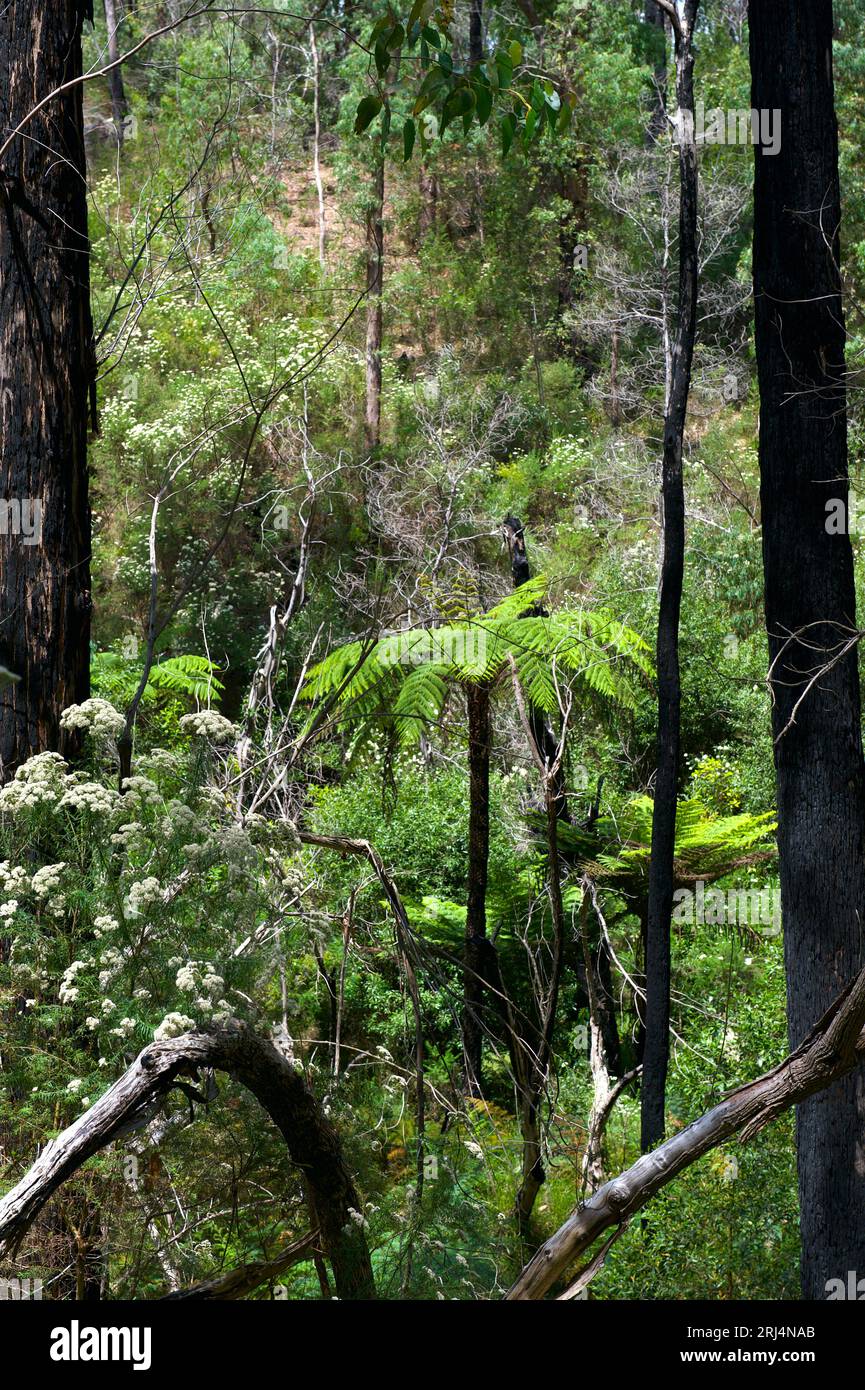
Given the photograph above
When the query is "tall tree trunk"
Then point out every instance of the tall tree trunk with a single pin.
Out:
(654, 15)
(316, 149)
(657, 1045)
(545, 741)
(374, 273)
(119, 104)
(476, 944)
(476, 31)
(428, 185)
(800, 338)
(46, 357)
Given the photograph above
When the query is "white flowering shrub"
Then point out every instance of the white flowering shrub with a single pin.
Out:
(132, 915)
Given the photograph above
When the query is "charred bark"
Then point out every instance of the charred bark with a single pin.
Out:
(477, 947)
(661, 883)
(809, 588)
(476, 32)
(46, 375)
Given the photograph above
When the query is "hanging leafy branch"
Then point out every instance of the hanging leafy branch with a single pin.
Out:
(525, 104)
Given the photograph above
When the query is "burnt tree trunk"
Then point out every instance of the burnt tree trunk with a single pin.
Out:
(374, 273)
(476, 31)
(476, 945)
(809, 582)
(46, 357)
(545, 741)
(661, 885)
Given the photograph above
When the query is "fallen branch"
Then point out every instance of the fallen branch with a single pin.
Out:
(279, 1088)
(237, 1283)
(833, 1048)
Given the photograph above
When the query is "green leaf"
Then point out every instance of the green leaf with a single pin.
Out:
(460, 103)
(408, 138)
(380, 26)
(382, 58)
(505, 69)
(485, 104)
(420, 13)
(395, 38)
(367, 111)
(515, 53)
(508, 129)
(432, 84)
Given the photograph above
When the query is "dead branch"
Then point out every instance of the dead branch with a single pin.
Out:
(281, 1090)
(832, 1049)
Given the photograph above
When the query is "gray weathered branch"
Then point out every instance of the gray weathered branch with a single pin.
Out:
(253, 1061)
(833, 1048)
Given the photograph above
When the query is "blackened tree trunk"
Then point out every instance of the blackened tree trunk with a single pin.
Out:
(119, 104)
(545, 741)
(476, 31)
(476, 945)
(657, 1042)
(809, 584)
(374, 274)
(46, 373)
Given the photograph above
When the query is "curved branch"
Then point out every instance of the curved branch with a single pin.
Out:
(834, 1048)
(237, 1283)
(281, 1090)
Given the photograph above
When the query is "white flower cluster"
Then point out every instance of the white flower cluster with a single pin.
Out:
(131, 837)
(200, 979)
(89, 796)
(38, 782)
(124, 1029)
(141, 896)
(46, 880)
(141, 791)
(180, 819)
(46, 886)
(209, 725)
(112, 962)
(94, 716)
(172, 1026)
(68, 992)
(13, 878)
(161, 762)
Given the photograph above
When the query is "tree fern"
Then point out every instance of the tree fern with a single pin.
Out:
(406, 675)
(116, 678)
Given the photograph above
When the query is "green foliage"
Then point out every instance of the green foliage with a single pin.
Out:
(407, 675)
(449, 91)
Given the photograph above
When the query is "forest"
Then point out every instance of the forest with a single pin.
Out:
(432, 795)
